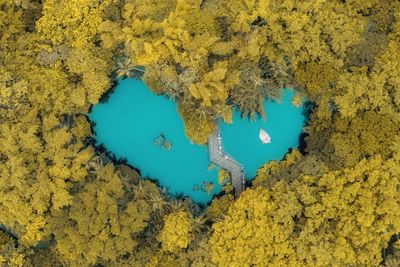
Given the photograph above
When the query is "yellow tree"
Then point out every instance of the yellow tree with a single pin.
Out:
(99, 226)
(341, 218)
(177, 232)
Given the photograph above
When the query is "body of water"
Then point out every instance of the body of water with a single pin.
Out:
(284, 124)
(147, 130)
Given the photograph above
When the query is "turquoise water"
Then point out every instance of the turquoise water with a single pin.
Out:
(133, 117)
(283, 123)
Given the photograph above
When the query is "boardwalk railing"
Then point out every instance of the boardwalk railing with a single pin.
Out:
(218, 157)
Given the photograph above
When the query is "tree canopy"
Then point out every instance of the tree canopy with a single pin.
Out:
(334, 203)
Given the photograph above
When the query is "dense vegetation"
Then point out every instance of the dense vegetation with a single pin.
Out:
(337, 203)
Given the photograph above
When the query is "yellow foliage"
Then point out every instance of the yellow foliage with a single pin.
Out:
(219, 207)
(111, 33)
(297, 100)
(237, 241)
(223, 176)
(85, 232)
(197, 126)
(315, 78)
(177, 232)
(34, 231)
(10, 254)
(341, 218)
(368, 134)
(266, 171)
(73, 22)
(336, 205)
(94, 75)
(360, 90)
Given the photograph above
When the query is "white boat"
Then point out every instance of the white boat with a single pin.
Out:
(264, 137)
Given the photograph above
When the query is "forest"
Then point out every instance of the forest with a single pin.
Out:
(334, 203)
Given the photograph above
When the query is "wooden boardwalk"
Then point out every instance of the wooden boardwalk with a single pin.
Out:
(218, 157)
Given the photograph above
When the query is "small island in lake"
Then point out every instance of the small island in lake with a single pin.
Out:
(161, 141)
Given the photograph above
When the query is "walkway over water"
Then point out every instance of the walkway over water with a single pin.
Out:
(128, 123)
(217, 156)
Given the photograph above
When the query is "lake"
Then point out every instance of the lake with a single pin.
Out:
(138, 125)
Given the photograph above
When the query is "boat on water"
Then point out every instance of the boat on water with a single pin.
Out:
(264, 137)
